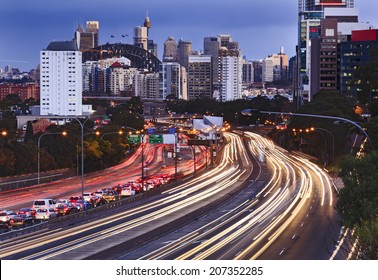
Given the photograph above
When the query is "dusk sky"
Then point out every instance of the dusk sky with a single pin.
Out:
(260, 27)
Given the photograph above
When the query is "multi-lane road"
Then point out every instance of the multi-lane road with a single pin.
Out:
(259, 202)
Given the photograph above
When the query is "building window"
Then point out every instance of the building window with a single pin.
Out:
(330, 32)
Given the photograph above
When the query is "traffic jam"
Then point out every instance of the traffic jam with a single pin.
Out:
(45, 209)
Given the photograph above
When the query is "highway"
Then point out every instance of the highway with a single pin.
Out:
(258, 202)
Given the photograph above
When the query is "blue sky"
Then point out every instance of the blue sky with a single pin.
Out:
(260, 27)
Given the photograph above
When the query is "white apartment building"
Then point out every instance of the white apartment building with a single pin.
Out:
(61, 79)
(231, 74)
(146, 85)
(267, 69)
(231, 78)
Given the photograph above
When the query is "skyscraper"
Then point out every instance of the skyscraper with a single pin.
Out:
(211, 46)
(61, 79)
(141, 37)
(230, 73)
(88, 38)
(170, 80)
(310, 13)
(199, 76)
(184, 49)
(170, 50)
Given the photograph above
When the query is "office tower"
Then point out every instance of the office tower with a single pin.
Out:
(93, 27)
(267, 69)
(140, 37)
(184, 50)
(279, 67)
(199, 76)
(310, 13)
(355, 54)
(211, 46)
(170, 80)
(88, 38)
(61, 79)
(8, 69)
(257, 71)
(170, 50)
(152, 47)
(248, 73)
(336, 27)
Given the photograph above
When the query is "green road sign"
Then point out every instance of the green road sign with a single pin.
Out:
(134, 138)
(155, 138)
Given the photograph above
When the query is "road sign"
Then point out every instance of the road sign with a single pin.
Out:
(198, 142)
(155, 139)
(134, 138)
(172, 130)
(151, 131)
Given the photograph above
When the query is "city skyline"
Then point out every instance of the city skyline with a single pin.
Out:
(261, 28)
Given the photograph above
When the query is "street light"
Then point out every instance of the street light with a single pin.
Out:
(249, 112)
(333, 141)
(64, 133)
(120, 132)
(82, 147)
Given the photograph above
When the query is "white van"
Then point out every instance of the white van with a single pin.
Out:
(43, 203)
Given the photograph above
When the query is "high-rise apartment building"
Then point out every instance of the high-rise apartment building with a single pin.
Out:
(170, 80)
(146, 85)
(199, 76)
(61, 79)
(230, 74)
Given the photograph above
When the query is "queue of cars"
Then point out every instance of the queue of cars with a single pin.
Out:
(47, 208)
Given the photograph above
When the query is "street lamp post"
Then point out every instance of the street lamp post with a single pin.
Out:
(333, 141)
(249, 112)
(120, 132)
(82, 124)
(64, 133)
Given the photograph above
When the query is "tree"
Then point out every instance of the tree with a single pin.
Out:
(358, 201)
(29, 133)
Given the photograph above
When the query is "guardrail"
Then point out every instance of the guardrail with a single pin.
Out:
(62, 220)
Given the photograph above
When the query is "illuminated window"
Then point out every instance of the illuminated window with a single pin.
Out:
(330, 32)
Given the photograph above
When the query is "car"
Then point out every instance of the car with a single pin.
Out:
(117, 188)
(6, 215)
(111, 195)
(27, 211)
(62, 201)
(45, 214)
(83, 205)
(137, 188)
(65, 209)
(127, 191)
(21, 220)
(44, 203)
(98, 193)
(97, 201)
(87, 196)
(74, 198)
